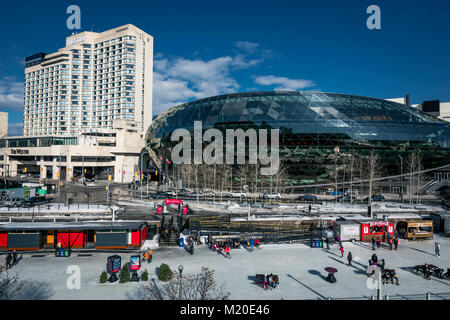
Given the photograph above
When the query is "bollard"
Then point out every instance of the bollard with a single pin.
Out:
(329, 298)
(428, 296)
(386, 297)
(371, 298)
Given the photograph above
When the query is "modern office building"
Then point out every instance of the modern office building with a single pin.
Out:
(436, 108)
(113, 152)
(95, 79)
(311, 126)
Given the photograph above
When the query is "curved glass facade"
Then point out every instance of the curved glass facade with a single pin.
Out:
(313, 121)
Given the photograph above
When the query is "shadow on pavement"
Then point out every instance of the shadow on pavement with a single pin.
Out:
(35, 290)
(353, 266)
(140, 293)
(423, 251)
(311, 289)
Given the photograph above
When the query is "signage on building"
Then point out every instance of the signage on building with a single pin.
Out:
(75, 40)
(378, 223)
(18, 151)
(172, 201)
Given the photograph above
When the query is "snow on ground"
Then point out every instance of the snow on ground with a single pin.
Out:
(300, 268)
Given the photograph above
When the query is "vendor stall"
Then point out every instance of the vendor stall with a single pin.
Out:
(375, 229)
(415, 229)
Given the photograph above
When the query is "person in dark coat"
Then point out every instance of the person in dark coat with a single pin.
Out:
(8, 260)
(373, 243)
(396, 243)
(390, 244)
(374, 258)
(349, 258)
(378, 242)
(327, 241)
(14, 257)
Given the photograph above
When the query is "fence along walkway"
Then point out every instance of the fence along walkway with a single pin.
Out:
(416, 296)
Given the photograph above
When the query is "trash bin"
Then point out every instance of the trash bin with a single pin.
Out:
(66, 252)
(57, 252)
(61, 252)
(181, 242)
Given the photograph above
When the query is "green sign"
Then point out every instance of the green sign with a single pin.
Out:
(41, 191)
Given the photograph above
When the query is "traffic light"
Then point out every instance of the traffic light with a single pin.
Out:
(109, 177)
(25, 170)
(106, 188)
(156, 172)
(84, 170)
(57, 174)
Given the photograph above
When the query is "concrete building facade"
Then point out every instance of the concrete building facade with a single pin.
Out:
(95, 79)
(114, 152)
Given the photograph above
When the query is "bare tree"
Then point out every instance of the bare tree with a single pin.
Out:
(9, 284)
(200, 286)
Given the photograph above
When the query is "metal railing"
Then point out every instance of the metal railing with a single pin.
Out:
(416, 296)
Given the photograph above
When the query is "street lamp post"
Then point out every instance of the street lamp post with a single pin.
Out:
(59, 173)
(180, 269)
(336, 150)
(401, 172)
(142, 172)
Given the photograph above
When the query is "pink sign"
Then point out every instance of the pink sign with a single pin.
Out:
(172, 201)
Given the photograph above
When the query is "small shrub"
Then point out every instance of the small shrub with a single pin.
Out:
(164, 274)
(144, 276)
(103, 277)
(124, 275)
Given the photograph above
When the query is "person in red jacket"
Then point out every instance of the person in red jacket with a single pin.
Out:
(342, 251)
(227, 252)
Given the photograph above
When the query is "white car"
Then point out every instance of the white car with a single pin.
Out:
(237, 194)
(272, 195)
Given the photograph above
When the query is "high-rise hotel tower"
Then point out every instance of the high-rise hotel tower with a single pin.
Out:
(95, 79)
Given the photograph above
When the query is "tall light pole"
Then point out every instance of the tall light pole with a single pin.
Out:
(336, 151)
(59, 173)
(401, 172)
(142, 172)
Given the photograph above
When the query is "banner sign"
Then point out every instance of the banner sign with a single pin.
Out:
(378, 223)
(172, 201)
(134, 263)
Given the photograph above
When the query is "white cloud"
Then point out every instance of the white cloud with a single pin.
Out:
(11, 94)
(247, 46)
(178, 80)
(284, 84)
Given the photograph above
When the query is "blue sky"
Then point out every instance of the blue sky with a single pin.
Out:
(204, 48)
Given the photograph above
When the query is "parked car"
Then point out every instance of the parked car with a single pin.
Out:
(208, 193)
(237, 194)
(89, 177)
(34, 201)
(194, 194)
(307, 197)
(11, 203)
(272, 195)
(346, 198)
(378, 197)
(169, 193)
(334, 193)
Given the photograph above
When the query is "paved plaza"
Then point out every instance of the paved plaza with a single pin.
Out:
(300, 269)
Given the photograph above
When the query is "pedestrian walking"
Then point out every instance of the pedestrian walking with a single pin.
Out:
(8, 260)
(390, 244)
(437, 248)
(227, 252)
(378, 242)
(382, 264)
(14, 257)
(252, 243)
(349, 258)
(396, 243)
(373, 243)
(327, 241)
(309, 208)
(384, 236)
(341, 248)
(339, 240)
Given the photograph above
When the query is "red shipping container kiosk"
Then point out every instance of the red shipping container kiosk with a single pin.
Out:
(375, 229)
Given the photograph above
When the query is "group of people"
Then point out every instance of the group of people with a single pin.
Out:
(221, 248)
(11, 259)
(391, 241)
(253, 243)
(147, 256)
(270, 281)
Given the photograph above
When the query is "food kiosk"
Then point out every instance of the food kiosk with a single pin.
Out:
(375, 229)
(418, 229)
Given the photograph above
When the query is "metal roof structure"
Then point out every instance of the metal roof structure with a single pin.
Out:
(86, 225)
